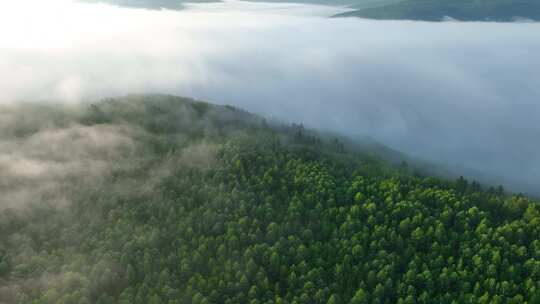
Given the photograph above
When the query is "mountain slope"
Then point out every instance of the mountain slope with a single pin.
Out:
(464, 10)
(159, 199)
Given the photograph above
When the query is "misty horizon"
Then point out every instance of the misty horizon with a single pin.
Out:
(463, 95)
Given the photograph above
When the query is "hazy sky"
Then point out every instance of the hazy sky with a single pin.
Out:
(464, 94)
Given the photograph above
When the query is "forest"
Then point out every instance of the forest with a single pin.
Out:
(161, 199)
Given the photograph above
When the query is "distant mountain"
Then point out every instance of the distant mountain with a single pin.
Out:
(464, 10)
(319, 2)
(364, 4)
(148, 4)
(178, 4)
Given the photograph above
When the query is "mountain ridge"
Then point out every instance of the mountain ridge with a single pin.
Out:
(461, 10)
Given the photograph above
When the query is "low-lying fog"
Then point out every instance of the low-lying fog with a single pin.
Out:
(462, 94)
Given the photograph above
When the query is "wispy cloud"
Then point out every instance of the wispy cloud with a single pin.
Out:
(44, 152)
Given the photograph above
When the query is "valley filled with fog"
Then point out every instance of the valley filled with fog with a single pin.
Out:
(461, 94)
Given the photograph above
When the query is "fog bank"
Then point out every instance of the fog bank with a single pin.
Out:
(463, 94)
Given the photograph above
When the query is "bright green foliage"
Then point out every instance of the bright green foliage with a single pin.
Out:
(275, 218)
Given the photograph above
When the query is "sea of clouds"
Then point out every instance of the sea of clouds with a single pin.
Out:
(466, 95)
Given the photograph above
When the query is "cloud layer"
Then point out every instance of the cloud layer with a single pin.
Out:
(463, 94)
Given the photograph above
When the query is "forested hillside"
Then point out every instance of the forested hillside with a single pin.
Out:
(159, 199)
(464, 10)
